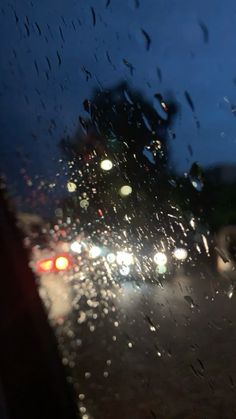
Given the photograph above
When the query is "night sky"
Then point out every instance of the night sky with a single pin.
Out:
(53, 54)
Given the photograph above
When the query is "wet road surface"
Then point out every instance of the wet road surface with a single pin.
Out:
(157, 351)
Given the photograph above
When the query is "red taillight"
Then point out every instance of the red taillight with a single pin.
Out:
(56, 264)
(45, 265)
(62, 263)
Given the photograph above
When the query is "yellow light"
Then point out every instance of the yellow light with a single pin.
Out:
(61, 263)
(124, 258)
(160, 258)
(106, 165)
(45, 265)
(71, 186)
(125, 190)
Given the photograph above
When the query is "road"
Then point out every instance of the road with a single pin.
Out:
(150, 351)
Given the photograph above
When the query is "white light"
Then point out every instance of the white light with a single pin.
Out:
(124, 270)
(125, 190)
(124, 258)
(180, 254)
(71, 186)
(95, 251)
(106, 165)
(76, 247)
(160, 258)
(111, 257)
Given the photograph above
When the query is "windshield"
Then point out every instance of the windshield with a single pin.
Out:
(118, 148)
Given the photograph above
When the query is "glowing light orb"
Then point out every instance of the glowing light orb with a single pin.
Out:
(95, 252)
(160, 258)
(125, 190)
(62, 263)
(161, 269)
(106, 165)
(124, 270)
(180, 254)
(71, 186)
(124, 258)
(111, 258)
(76, 247)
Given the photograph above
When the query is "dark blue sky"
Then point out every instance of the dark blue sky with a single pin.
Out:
(193, 42)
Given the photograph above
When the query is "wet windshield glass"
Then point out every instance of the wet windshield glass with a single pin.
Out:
(118, 149)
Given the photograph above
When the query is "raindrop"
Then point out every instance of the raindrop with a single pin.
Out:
(189, 100)
(59, 58)
(201, 365)
(159, 73)
(109, 59)
(129, 66)
(128, 98)
(205, 32)
(190, 149)
(197, 184)
(49, 64)
(61, 33)
(147, 39)
(93, 16)
(16, 17)
(196, 177)
(38, 27)
(27, 29)
(189, 301)
(146, 122)
(230, 292)
(161, 106)
(231, 381)
(36, 66)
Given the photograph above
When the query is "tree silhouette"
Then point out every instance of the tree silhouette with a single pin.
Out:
(125, 129)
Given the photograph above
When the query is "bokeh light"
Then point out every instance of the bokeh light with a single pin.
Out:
(124, 258)
(62, 263)
(180, 254)
(124, 270)
(125, 190)
(160, 258)
(71, 187)
(106, 164)
(161, 269)
(111, 257)
(76, 247)
(95, 252)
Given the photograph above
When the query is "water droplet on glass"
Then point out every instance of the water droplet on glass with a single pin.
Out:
(189, 301)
